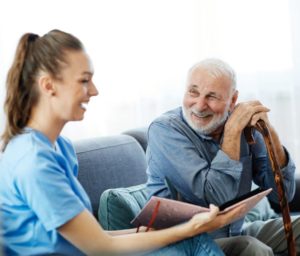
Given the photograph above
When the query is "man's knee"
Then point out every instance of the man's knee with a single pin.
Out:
(253, 246)
(296, 224)
(243, 246)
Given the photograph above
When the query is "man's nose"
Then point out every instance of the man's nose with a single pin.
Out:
(201, 103)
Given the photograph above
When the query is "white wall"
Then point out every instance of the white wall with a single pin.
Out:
(142, 49)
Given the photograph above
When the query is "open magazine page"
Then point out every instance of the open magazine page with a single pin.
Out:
(162, 213)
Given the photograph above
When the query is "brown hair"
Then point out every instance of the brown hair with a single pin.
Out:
(33, 54)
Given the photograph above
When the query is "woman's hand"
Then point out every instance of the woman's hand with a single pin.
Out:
(202, 218)
(212, 220)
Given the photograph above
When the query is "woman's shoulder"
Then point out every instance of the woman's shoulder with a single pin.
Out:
(20, 147)
(32, 151)
(29, 146)
(29, 140)
(65, 146)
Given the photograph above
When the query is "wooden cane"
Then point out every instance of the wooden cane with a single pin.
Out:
(264, 130)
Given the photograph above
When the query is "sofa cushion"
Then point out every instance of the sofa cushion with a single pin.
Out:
(109, 162)
(118, 207)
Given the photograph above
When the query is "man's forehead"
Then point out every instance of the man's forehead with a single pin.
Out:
(204, 89)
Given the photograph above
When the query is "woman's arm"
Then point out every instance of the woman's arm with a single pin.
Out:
(126, 231)
(85, 233)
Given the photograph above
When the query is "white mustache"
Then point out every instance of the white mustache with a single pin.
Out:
(202, 114)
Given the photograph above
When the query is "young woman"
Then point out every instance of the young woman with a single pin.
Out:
(49, 84)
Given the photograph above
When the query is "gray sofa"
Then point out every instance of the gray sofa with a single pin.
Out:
(107, 164)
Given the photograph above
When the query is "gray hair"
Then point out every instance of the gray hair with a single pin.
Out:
(216, 68)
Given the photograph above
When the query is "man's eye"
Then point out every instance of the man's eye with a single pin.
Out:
(213, 97)
(193, 93)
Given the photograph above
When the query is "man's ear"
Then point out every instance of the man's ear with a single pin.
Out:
(234, 98)
(47, 85)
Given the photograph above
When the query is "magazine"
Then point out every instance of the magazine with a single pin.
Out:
(162, 212)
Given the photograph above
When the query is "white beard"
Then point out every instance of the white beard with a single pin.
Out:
(214, 124)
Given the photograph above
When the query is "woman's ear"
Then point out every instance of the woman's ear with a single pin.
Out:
(234, 98)
(46, 85)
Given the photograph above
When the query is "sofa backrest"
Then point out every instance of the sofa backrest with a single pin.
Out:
(140, 134)
(109, 162)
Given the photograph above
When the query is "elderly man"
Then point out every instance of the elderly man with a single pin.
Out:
(199, 150)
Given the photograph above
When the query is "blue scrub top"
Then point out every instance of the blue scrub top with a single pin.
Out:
(39, 192)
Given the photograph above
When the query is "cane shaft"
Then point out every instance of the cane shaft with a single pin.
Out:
(264, 130)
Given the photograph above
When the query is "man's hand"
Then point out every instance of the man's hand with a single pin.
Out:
(244, 114)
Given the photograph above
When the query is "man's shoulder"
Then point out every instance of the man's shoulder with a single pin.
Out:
(169, 116)
(171, 122)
